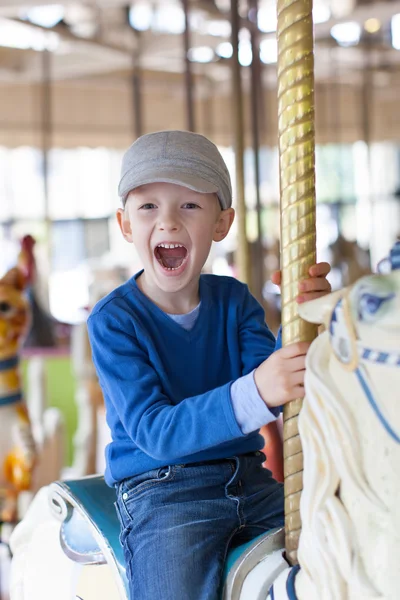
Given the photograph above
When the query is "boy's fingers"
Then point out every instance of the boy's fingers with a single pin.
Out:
(319, 270)
(298, 364)
(299, 391)
(316, 284)
(276, 277)
(297, 378)
(296, 392)
(309, 296)
(296, 349)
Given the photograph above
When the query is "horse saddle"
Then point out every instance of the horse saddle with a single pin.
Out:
(89, 535)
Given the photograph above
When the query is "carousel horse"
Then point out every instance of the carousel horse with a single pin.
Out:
(17, 446)
(42, 332)
(350, 431)
(47, 423)
(349, 259)
(92, 434)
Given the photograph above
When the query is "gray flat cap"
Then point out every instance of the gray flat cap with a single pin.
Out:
(179, 157)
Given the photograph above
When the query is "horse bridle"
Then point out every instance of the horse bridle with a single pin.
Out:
(362, 353)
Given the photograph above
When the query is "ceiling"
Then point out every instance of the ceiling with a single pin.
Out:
(96, 39)
(80, 91)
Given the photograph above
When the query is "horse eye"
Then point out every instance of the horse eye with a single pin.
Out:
(370, 304)
(5, 307)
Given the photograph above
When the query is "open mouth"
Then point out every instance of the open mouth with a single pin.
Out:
(171, 256)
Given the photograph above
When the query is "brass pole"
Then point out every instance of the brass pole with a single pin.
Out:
(297, 190)
(242, 253)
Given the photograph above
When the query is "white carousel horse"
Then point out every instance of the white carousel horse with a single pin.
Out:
(350, 431)
(350, 428)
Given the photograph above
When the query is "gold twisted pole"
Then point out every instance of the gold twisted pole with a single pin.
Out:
(297, 190)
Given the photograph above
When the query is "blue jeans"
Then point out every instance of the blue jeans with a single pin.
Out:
(178, 522)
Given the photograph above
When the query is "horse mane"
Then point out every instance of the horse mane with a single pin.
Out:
(328, 552)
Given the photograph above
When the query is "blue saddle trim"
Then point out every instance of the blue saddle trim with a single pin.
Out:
(95, 500)
(382, 358)
(9, 363)
(78, 541)
(291, 592)
(375, 407)
(234, 554)
(12, 399)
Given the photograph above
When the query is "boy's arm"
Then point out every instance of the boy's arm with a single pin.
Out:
(133, 390)
(257, 344)
(256, 347)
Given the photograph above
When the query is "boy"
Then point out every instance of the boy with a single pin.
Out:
(189, 374)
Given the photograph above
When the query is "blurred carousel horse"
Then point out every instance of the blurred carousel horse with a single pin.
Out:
(350, 430)
(17, 446)
(47, 423)
(89, 402)
(42, 331)
(92, 433)
(349, 259)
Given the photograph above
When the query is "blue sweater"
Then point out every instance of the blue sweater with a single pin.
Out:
(166, 389)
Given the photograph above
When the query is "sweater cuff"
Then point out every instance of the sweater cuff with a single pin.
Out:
(249, 408)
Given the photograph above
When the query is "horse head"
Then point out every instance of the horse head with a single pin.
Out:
(363, 320)
(14, 312)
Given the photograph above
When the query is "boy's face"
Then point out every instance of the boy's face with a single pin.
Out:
(172, 228)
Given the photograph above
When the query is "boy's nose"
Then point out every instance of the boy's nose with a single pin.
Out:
(168, 222)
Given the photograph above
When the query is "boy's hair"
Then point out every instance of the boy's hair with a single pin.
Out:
(179, 157)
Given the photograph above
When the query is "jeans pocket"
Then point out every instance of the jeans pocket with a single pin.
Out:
(132, 487)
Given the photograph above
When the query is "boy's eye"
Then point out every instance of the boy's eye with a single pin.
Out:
(191, 205)
(147, 206)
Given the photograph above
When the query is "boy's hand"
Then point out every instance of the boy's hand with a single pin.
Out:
(280, 378)
(314, 286)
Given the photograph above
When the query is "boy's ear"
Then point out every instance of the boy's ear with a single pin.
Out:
(224, 224)
(124, 224)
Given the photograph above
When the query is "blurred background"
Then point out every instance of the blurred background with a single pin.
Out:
(79, 82)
